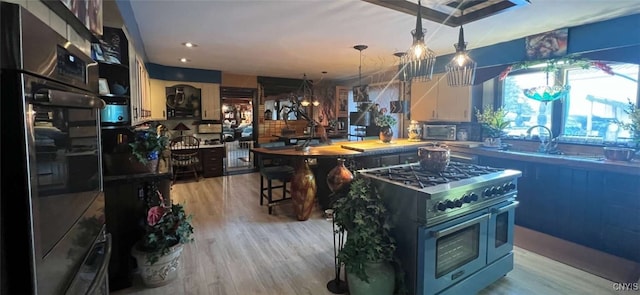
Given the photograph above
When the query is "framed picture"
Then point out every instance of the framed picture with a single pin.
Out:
(547, 45)
(360, 93)
(103, 86)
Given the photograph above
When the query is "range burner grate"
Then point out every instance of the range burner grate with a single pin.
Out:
(413, 175)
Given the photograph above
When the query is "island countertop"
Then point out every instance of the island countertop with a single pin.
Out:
(346, 149)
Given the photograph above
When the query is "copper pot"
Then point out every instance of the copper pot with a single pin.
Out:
(434, 158)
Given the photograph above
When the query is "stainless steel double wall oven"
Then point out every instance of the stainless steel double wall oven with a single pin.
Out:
(52, 203)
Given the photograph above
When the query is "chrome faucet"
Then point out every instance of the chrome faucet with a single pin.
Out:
(549, 147)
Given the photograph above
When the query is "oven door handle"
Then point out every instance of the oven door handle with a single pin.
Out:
(505, 208)
(69, 99)
(449, 230)
(101, 273)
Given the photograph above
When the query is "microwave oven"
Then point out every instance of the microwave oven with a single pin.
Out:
(439, 132)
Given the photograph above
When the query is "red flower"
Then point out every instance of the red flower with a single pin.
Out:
(603, 66)
(506, 72)
(155, 214)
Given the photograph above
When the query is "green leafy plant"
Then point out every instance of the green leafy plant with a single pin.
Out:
(384, 120)
(493, 121)
(634, 127)
(166, 226)
(364, 217)
(148, 143)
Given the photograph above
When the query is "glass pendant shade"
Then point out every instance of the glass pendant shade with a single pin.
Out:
(418, 62)
(461, 70)
(547, 92)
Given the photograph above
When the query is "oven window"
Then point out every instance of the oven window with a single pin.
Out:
(457, 249)
(67, 166)
(502, 227)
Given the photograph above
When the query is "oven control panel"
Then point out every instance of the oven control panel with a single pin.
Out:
(487, 195)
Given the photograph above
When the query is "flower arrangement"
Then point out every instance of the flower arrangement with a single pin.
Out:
(493, 122)
(148, 144)
(166, 226)
(384, 120)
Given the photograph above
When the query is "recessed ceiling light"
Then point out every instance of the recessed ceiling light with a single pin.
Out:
(189, 44)
(184, 59)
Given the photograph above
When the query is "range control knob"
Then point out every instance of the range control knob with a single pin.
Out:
(441, 206)
(506, 187)
(512, 186)
(473, 197)
(458, 202)
(487, 192)
(450, 204)
(466, 198)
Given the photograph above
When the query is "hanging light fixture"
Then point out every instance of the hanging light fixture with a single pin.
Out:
(401, 73)
(547, 92)
(305, 92)
(418, 62)
(360, 95)
(461, 71)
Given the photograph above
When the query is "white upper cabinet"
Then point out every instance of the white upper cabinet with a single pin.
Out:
(158, 98)
(435, 100)
(210, 101)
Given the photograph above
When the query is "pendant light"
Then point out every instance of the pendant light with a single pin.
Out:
(418, 63)
(461, 70)
(306, 92)
(361, 95)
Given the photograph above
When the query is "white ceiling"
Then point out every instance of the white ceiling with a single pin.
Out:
(286, 38)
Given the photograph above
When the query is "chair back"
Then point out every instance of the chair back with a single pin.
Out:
(184, 150)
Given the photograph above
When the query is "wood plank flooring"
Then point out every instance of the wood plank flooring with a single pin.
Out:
(240, 250)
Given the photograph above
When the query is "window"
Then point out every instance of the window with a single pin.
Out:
(594, 101)
(522, 111)
(597, 98)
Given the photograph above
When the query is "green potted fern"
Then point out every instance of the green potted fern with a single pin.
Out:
(493, 124)
(368, 253)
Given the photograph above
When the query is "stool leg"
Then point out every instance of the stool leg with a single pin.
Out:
(261, 189)
(269, 195)
(284, 189)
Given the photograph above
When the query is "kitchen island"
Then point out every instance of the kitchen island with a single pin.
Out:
(360, 154)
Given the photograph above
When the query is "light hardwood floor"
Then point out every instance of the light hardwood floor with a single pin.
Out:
(239, 250)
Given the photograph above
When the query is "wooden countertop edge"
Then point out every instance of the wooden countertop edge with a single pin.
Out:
(632, 168)
(336, 150)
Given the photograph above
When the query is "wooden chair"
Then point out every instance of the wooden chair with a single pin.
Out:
(184, 156)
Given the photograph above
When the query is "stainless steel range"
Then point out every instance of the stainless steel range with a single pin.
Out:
(454, 229)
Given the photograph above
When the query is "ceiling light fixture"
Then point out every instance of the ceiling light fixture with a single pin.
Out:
(189, 44)
(306, 92)
(418, 62)
(461, 70)
(361, 94)
(185, 60)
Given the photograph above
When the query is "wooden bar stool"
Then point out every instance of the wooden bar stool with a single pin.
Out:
(274, 169)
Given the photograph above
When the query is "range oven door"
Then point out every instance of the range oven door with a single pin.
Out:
(501, 230)
(449, 252)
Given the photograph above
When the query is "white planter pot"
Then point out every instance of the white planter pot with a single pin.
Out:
(163, 271)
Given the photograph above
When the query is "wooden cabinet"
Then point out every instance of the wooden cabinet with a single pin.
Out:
(435, 100)
(158, 99)
(212, 161)
(140, 100)
(210, 101)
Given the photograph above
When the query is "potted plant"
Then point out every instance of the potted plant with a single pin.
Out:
(148, 144)
(167, 227)
(368, 252)
(493, 123)
(385, 122)
(634, 126)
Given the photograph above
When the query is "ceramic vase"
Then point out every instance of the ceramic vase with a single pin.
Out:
(381, 276)
(415, 131)
(339, 176)
(163, 271)
(386, 134)
(152, 165)
(303, 190)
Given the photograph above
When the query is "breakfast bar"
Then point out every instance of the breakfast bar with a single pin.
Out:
(369, 153)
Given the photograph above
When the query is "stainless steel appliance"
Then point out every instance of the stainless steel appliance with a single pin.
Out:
(439, 132)
(454, 229)
(52, 160)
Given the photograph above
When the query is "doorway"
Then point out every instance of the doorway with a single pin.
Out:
(238, 125)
